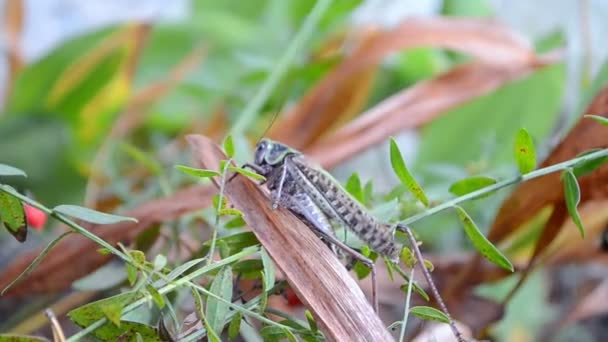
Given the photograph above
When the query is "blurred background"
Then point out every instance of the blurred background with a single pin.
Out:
(96, 97)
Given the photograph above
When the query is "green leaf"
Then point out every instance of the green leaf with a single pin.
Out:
(92, 312)
(230, 211)
(236, 222)
(156, 296)
(273, 333)
(90, 215)
(131, 274)
(229, 146)
(217, 310)
(113, 312)
(201, 173)
(429, 313)
(12, 215)
(481, 243)
(404, 175)
(588, 166)
(263, 302)
(235, 326)
(181, 269)
(6, 170)
(246, 173)
(353, 186)
(525, 155)
(268, 269)
(601, 119)
(311, 321)
(467, 185)
(572, 193)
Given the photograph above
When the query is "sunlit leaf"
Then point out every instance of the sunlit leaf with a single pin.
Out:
(217, 310)
(230, 211)
(467, 185)
(601, 119)
(429, 313)
(201, 173)
(160, 261)
(247, 173)
(525, 154)
(353, 186)
(6, 170)
(90, 215)
(404, 175)
(572, 195)
(481, 243)
(229, 146)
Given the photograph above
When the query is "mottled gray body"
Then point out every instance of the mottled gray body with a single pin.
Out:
(317, 197)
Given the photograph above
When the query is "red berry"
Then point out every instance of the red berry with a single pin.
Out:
(292, 298)
(36, 218)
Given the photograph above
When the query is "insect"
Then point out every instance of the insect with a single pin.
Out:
(318, 199)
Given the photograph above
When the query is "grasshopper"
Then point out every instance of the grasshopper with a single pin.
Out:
(318, 199)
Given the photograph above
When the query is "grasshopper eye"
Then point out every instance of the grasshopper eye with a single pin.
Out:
(260, 151)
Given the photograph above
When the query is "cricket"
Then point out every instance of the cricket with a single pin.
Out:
(319, 200)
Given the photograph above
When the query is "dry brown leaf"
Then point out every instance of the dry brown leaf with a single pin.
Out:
(415, 106)
(76, 256)
(485, 40)
(315, 274)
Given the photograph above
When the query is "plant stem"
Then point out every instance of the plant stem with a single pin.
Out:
(253, 107)
(502, 184)
(406, 311)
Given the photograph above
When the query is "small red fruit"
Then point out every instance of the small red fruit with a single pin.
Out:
(36, 218)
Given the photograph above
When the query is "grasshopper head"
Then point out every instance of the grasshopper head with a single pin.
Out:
(268, 152)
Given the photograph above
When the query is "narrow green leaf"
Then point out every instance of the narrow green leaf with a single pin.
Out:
(201, 173)
(90, 215)
(311, 321)
(236, 222)
(246, 173)
(156, 296)
(268, 269)
(181, 269)
(601, 119)
(481, 243)
(525, 155)
(404, 175)
(7, 170)
(36, 261)
(353, 186)
(229, 146)
(263, 302)
(429, 313)
(13, 216)
(235, 326)
(588, 166)
(211, 334)
(467, 185)
(290, 336)
(572, 194)
(217, 311)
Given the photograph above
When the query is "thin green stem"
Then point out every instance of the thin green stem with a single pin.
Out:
(406, 311)
(253, 107)
(502, 184)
